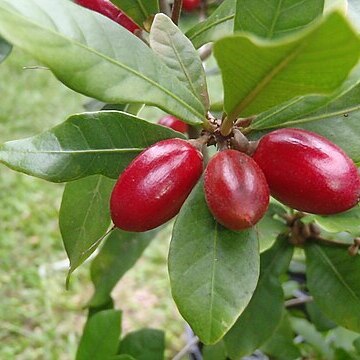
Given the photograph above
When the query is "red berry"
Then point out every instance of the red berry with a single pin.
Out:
(190, 5)
(235, 190)
(308, 172)
(154, 186)
(173, 123)
(108, 9)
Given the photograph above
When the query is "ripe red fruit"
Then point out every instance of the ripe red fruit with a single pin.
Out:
(235, 190)
(108, 9)
(308, 172)
(174, 123)
(154, 186)
(190, 5)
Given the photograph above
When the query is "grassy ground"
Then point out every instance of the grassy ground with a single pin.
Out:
(39, 319)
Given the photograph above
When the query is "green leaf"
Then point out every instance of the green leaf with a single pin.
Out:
(144, 344)
(275, 18)
(311, 336)
(281, 345)
(5, 49)
(320, 321)
(347, 221)
(101, 336)
(90, 53)
(256, 324)
(333, 281)
(270, 226)
(213, 270)
(139, 10)
(219, 24)
(91, 143)
(119, 254)
(214, 352)
(179, 54)
(122, 357)
(318, 61)
(84, 216)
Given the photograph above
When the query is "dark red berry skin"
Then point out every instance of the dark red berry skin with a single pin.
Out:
(108, 9)
(190, 5)
(174, 123)
(308, 172)
(235, 190)
(154, 186)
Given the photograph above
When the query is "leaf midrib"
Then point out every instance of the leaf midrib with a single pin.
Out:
(109, 59)
(210, 25)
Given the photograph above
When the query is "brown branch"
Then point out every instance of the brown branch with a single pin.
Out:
(176, 11)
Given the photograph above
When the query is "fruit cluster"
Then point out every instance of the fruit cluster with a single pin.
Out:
(301, 169)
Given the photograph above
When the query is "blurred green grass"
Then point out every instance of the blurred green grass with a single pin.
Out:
(39, 319)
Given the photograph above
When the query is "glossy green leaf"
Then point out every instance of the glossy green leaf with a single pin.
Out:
(346, 221)
(118, 255)
(144, 344)
(341, 112)
(318, 61)
(86, 144)
(213, 270)
(270, 226)
(5, 49)
(214, 352)
(317, 317)
(256, 324)
(139, 10)
(333, 281)
(121, 357)
(90, 53)
(179, 54)
(281, 346)
(219, 24)
(275, 18)
(101, 336)
(84, 216)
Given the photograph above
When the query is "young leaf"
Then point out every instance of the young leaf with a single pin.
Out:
(213, 270)
(258, 75)
(90, 53)
(139, 10)
(101, 336)
(84, 216)
(144, 344)
(219, 24)
(119, 254)
(179, 54)
(263, 314)
(86, 144)
(333, 281)
(275, 18)
(281, 345)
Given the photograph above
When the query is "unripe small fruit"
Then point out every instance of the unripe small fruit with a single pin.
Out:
(154, 186)
(235, 190)
(174, 123)
(108, 9)
(308, 172)
(190, 5)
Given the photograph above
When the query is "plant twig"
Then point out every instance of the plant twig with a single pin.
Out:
(186, 348)
(298, 301)
(176, 11)
(205, 52)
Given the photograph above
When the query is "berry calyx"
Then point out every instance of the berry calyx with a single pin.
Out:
(174, 123)
(108, 9)
(308, 172)
(235, 190)
(155, 185)
(190, 5)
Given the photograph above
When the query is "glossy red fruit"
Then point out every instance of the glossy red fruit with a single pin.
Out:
(190, 5)
(108, 9)
(308, 172)
(154, 186)
(174, 123)
(235, 190)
